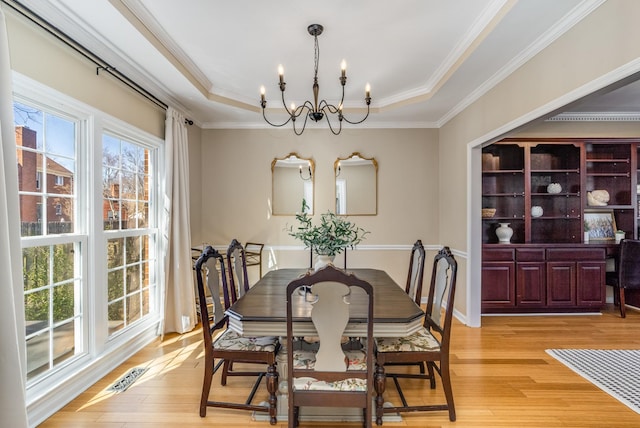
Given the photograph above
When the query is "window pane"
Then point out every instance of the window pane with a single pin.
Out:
(37, 354)
(63, 262)
(133, 278)
(128, 188)
(145, 302)
(110, 151)
(133, 249)
(60, 215)
(60, 136)
(63, 343)
(30, 169)
(133, 308)
(116, 316)
(63, 302)
(35, 262)
(144, 268)
(36, 310)
(116, 284)
(129, 156)
(115, 252)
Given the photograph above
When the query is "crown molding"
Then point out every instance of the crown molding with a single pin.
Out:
(596, 117)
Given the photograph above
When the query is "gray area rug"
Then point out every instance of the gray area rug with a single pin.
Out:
(616, 372)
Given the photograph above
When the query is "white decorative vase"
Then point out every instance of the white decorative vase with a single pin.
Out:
(504, 233)
(536, 211)
(323, 260)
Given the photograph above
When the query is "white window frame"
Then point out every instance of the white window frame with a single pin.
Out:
(101, 353)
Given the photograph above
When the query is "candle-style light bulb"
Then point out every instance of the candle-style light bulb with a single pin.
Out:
(367, 90)
(281, 73)
(343, 67)
(262, 92)
(293, 107)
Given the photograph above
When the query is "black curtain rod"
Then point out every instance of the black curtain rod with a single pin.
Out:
(86, 53)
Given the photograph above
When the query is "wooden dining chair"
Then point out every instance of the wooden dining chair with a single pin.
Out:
(228, 346)
(253, 254)
(429, 345)
(413, 288)
(237, 269)
(627, 273)
(416, 272)
(331, 375)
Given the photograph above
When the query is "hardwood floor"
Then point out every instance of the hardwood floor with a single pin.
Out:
(501, 375)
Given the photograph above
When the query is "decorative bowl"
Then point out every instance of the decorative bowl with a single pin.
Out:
(554, 188)
(488, 212)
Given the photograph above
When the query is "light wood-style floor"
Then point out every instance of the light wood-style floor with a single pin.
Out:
(502, 377)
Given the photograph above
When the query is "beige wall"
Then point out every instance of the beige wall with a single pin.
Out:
(236, 190)
(597, 47)
(194, 134)
(39, 56)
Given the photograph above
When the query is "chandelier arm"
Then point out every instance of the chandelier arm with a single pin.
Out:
(284, 104)
(359, 121)
(309, 105)
(274, 124)
(304, 125)
(330, 107)
(331, 127)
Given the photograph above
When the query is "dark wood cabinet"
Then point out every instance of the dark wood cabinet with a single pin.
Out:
(531, 285)
(547, 266)
(498, 284)
(543, 278)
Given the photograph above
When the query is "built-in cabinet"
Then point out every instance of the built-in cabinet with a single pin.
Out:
(547, 266)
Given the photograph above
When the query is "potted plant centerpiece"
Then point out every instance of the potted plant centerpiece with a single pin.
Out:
(329, 238)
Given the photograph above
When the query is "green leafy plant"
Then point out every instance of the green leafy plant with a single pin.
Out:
(330, 237)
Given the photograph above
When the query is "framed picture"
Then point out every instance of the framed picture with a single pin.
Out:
(601, 225)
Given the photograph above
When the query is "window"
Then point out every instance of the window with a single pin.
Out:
(126, 184)
(52, 275)
(84, 294)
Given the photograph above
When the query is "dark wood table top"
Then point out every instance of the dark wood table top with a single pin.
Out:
(262, 310)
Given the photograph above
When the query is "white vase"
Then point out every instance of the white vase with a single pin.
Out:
(322, 260)
(504, 233)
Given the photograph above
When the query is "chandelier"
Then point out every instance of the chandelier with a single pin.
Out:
(315, 110)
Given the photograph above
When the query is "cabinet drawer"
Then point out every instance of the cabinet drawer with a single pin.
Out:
(498, 254)
(575, 254)
(530, 254)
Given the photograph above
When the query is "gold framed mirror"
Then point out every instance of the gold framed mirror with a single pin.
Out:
(292, 179)
(356, 183)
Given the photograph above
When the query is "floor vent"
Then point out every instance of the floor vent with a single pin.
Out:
(127, 380)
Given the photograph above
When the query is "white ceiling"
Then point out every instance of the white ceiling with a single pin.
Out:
(426, 60)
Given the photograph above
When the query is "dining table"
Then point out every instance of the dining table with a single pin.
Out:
(262, 310)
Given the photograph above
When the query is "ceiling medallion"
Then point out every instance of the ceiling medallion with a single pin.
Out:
(315, 110)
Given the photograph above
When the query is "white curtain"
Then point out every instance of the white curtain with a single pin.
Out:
(179, 298)
(12, 342)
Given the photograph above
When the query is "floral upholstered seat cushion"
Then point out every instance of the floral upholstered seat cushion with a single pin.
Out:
(306, 359)
(311, 384)
(422, 340)
(230, 341)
